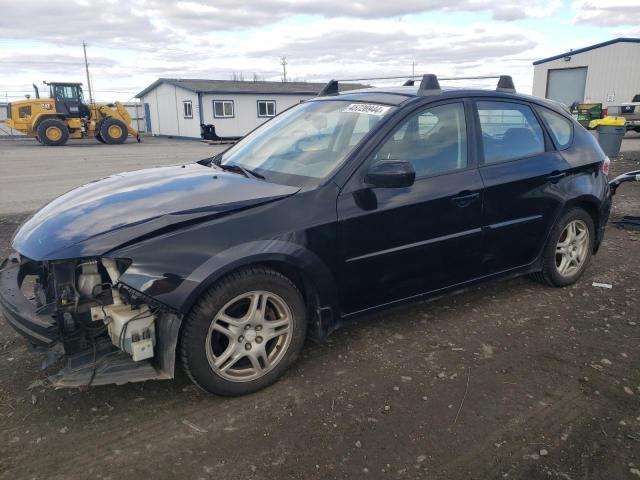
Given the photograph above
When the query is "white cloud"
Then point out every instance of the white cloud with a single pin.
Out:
(146, 24)
(606, 13)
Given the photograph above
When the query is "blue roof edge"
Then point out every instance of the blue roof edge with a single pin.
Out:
(586, 49)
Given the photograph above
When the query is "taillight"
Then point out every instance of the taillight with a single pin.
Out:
(605, 165)
(605, 112)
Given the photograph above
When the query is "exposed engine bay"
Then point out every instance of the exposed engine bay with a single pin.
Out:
(104, 328)
(89, 304)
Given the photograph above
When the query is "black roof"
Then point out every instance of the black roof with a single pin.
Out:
(246, 87)
(586, 49)
(397, 95)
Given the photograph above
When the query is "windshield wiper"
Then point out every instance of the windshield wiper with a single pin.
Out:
(234, 167)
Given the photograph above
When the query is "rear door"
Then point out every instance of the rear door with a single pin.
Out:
(520, 171)
(401, 242)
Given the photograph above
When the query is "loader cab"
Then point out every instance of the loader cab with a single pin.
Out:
(69, 100)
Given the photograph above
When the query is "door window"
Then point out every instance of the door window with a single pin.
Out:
(509, 131)
(434, 140)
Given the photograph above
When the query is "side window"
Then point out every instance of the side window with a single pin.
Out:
(433, 140)
(560, 127)
(187, 109)
(223, 108)
(509, 131)
(266, 108)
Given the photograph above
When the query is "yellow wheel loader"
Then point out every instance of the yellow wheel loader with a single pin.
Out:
(52, 121)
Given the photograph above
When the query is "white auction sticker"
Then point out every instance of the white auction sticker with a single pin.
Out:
(367, 108)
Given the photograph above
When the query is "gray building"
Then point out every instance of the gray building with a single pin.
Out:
(607, 73)
(177, 107)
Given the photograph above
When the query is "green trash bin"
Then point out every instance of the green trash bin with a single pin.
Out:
(588, 112)
(610, 138)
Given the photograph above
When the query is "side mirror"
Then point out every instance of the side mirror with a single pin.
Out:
(391, 174)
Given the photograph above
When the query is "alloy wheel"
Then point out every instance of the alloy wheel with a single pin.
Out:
(572, 248)
(249, 336)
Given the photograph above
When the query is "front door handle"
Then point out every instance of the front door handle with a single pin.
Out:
(555, 176)
(465, 198)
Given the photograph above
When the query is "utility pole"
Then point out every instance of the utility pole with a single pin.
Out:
(413, 69)
(86, 67)
(283, 62)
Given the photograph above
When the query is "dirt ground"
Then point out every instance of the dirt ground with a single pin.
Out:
(508, 380)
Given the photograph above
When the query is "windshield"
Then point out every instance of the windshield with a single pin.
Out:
(306, 143)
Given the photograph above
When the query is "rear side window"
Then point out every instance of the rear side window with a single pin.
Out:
(561, 128)
(509, 131)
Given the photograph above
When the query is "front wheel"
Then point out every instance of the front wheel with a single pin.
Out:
(244, 332)
(113, 131)
(569, 250)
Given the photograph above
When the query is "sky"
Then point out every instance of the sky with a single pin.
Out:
(132, 43)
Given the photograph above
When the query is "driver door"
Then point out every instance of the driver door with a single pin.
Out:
(402, 242)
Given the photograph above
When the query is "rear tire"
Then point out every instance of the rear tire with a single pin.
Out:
(53, 132)
(113, 131)
(244, 332)
(569, 250)
(98, 135)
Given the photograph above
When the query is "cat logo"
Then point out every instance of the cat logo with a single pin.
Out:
(45, 106)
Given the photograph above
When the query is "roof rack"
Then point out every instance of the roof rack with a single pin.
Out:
(330, 88)
(505, 84)
(429, 85)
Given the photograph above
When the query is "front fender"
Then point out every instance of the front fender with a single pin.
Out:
(180, 293)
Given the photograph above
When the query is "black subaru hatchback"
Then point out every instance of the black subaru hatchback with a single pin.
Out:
(343, 204)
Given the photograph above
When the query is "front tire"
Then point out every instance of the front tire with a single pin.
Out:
(244, 332)
(113, 131)
(569, 250)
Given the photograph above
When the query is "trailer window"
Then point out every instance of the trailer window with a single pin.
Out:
(266, 108)
(187, 109)
(223, 108)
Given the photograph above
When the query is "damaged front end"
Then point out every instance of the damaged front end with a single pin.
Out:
(109, 332)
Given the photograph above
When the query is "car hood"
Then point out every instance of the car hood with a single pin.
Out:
(105, 214)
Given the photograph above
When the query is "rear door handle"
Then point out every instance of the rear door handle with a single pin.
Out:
(465, 198)
(555, 176)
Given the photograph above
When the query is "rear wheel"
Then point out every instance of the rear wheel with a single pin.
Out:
(113, 131)
(569, 250)
(53, 132)
(244, 332)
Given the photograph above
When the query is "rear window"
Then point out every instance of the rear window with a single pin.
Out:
(561, 128)
(509, 131)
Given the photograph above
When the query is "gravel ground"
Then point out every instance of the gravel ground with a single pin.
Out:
(508, 380)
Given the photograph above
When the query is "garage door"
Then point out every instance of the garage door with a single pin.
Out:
(566, 85)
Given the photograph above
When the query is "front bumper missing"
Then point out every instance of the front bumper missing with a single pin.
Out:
(100, 365)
